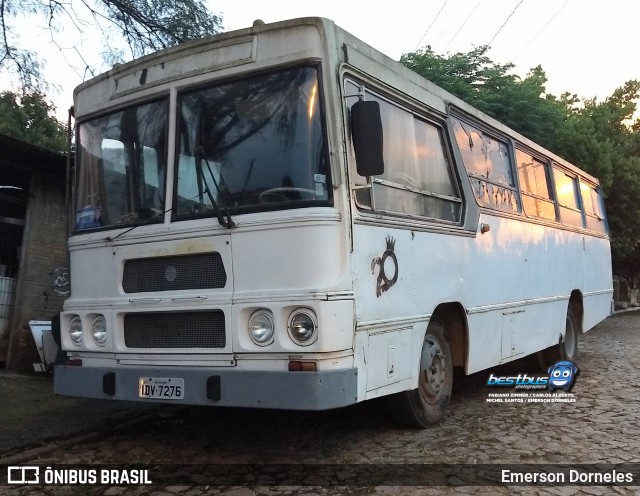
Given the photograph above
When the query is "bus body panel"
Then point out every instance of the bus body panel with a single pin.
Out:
(514, 283)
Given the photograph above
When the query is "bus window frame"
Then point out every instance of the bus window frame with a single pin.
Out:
(552, 163)
(575, 177)
(458, 114)
(163, 97)
(547, 163)
(228, 79)
(600, 216)
(357, 182)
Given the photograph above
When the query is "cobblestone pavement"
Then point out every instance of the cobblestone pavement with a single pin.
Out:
(602, 426)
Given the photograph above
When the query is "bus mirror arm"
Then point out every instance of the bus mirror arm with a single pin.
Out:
(366, 133)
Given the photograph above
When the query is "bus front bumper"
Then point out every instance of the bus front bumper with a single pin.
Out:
(299, 390)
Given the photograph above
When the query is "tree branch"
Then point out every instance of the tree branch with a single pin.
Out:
(145, 25)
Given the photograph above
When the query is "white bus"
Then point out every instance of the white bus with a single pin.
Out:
(283, 217)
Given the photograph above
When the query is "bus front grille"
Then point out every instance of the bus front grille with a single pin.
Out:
(202, 329)
(174, 273)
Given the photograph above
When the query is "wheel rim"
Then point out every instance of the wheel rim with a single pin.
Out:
(569, 339)
(433, 370)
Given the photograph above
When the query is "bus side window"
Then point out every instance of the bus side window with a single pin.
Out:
(488, 163)
(594, 213)
(568, 197)
(535, 184)
(418, 179)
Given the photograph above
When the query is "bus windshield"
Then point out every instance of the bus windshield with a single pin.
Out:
(251, 144)
(245, 145)
(121, 169)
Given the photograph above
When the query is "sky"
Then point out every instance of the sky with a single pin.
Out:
(586, 47)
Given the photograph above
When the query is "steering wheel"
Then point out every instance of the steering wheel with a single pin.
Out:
(286, 194)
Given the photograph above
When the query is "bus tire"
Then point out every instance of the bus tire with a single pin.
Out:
(426, 405)
(567, 348)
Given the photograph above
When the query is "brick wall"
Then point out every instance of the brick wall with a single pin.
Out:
(43, 250)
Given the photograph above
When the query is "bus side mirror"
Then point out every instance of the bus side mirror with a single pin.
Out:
(366, 132)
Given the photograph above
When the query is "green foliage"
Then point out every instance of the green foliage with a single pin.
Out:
(30, 118)
(519, 103)
(463, 74)
(598, 137)
(578, 140)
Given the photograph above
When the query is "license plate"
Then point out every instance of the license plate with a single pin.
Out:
(162, 388)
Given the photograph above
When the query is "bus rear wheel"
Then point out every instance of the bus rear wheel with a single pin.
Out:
(567, 348)
(426, 405)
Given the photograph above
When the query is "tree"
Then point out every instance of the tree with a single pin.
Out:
(611, 120)
(30, 118)
(521, 104)
(463, 74)
(145, 25)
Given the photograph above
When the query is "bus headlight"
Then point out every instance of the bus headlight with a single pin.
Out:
(75, 329)
(261, 327)
(302, 327)
(99, 330)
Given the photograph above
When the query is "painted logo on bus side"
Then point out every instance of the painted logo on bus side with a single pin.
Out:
(384, 280)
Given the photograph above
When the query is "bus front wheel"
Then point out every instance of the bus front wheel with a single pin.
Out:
(426, 405)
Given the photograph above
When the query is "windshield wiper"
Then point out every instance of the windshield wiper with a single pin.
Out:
(224, 220)
(148, 219)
